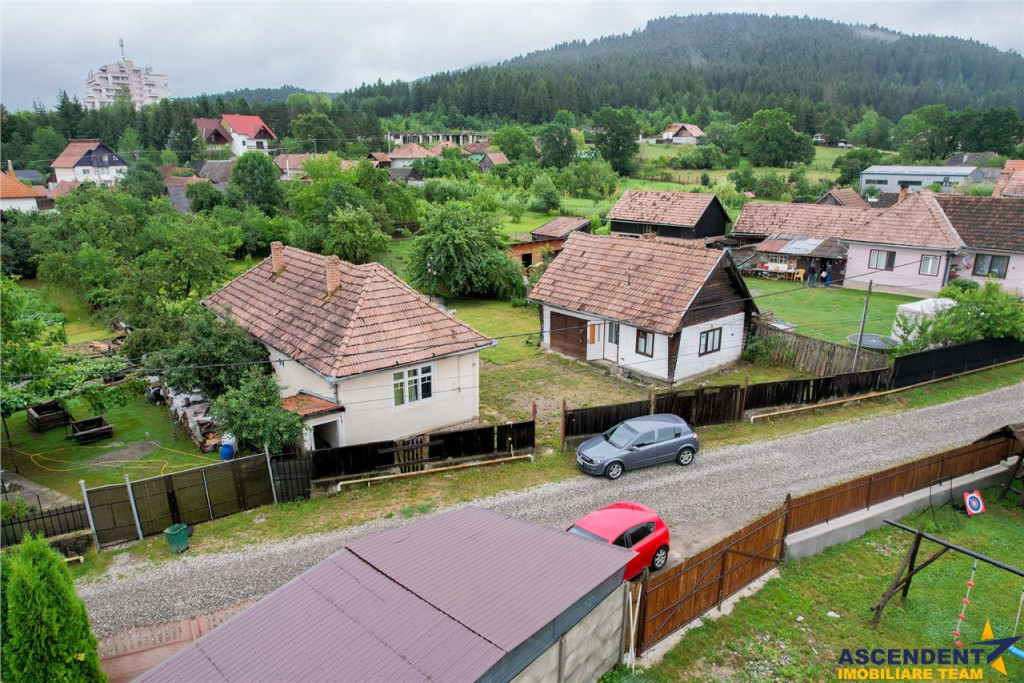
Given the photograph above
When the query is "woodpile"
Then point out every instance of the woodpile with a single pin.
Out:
(190, 409)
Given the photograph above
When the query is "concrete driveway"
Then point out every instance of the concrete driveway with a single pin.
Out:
(722, 490)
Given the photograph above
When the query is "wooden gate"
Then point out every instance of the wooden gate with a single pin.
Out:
(568, 335)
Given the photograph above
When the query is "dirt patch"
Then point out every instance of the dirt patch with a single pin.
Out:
(130, 453)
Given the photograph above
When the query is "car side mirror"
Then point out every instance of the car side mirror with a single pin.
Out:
(634, 448)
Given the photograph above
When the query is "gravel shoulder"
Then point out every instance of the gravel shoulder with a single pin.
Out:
(721, 491)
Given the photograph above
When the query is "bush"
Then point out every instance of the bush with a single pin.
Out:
(15, 507)
(961, 284)
(545, 196)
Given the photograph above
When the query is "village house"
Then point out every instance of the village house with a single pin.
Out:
(248, 133)
(682, 134)
(477, 150)
(379, 159)
(661, 310)
(1011, 180)
(88, 161)
(406, 174)
(914, 178)
(438, 149)
(359, 354)
(407, 154)
(16, 195)
(682, 215)
(843, 196)
(290, 165)
(920, 244)
(546, 240)
(783, 241)
(213, 134)
(492, 159)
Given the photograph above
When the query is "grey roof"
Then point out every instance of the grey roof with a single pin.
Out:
(460, 596)
(969, 158)
(920, 170)
(179, 201)
(217, 171)
(28, 174)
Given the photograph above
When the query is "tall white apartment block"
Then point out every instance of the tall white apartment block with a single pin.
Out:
(144, 86)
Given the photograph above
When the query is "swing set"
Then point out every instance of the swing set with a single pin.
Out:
(908, 571)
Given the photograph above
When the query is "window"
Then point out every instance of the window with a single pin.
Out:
(881, 260)
(710, 341)
(930, 265)
(669, 433)
(644, 343)
(778, 258)
(875, 181)
(85, 171)
(594, 333)
(645, 439)
(639, 533)
(910, 183)
(620, 541)
(613, 333)
(990, 265)
(416, 384)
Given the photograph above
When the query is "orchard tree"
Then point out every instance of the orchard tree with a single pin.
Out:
(557, 146)
(252, 412)
(768, 139)
(354, 237)
(316, 132)
(618, 139)
(142, 181)
(872, 131)
(851, 164)
(515, 143)
(545, 195)
(203, 196)
(255, 181)
(45, 630)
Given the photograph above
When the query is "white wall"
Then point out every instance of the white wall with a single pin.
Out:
(105, 175)
(684, 140)
(656, 365)
(18, 204)
(371, 415)
(295, 377)
(690, 363)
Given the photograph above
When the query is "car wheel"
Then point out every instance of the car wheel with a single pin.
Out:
(660, 558)
(685, 456)
(614, 470)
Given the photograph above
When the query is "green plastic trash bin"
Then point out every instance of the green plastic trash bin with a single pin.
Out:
(177, 537)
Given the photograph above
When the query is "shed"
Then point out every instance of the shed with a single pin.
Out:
(919, 310)
(414, 604)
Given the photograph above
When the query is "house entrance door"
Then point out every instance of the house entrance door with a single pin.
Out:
(569, 335)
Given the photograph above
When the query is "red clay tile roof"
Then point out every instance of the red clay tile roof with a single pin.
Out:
(207, 127)
(437, 149)
(687, 129)
(1011, 180)
(560, 227)
(797, 220)
(246, 125)
(497, 158)
(173, 180)
(305, 405)
(478, 147)
(60, 189)
(917, 221)
(380, 156)
(11, 188)
(373, 322)
(986, 222)
(294, 162)
(411, 150)
(673, 127)
(846, 196)
(647, 282)
(75, 150)
(661, 208)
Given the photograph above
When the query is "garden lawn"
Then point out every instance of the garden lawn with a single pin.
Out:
(78, 323)
(501, 319)
(146, 444)
(530, 220)
(829, 314)
(762, 639)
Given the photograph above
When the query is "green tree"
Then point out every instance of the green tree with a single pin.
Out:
(316, 132)
(252, 412)
(618, 138)
(926, 133)
(255, 181)
(203, 197)
(588, 179)
(768, 139)
(129, 143)
(987, 312)
(834, 129)
(45, 632)
(872, 131)
(743, 178)
(851, 164)
(460, 250)
(47, 144)
(557, 146)
(185, 140)
(545, 195)
(354, 237)
(212, 356)
(142, 181)
(565, 118)
(515, 143)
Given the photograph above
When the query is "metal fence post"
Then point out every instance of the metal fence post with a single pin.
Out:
(88, 512)
(270, 471)
(206, 490)
(135, 510)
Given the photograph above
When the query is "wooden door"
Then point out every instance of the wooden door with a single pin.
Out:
(568, 335)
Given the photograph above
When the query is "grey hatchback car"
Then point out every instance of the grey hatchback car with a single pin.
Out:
(638, 442)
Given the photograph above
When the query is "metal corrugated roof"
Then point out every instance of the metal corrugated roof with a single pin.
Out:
(801, 247)
(920, 170)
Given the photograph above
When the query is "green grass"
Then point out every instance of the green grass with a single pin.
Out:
(530, 220)
(829, 314)
(762, 639)
(684, 180)
(78, 323)
(498, 319)
(51, 460)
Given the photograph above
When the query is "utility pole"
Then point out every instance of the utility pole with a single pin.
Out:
(863, 319)
(314, 145)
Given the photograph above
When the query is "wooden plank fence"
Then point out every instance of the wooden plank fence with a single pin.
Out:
(677, 596)
(816, 356)
(950, 360)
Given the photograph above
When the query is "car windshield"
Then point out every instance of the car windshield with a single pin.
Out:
(584, 533)
(620, 435)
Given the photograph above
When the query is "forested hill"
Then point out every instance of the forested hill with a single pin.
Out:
(730, 62)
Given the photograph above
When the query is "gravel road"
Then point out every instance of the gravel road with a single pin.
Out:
(724, 488)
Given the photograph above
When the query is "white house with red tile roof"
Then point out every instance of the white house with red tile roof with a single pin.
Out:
(88, 161)
(360, 355)
(16, 195)
(682, 134)
(407, 154)
(248, 133)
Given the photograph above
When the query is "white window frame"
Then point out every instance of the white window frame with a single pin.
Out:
(933, 262)
(612, 334)
(412, 385)
(710, 341)
(888, 259)
(778, 258)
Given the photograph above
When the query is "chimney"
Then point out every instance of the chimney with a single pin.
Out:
(277, 256)
(10, 169)
(903, 193)
(333, 274)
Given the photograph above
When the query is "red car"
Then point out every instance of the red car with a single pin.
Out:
(629, 525)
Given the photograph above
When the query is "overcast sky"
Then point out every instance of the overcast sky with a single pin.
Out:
(331, 46)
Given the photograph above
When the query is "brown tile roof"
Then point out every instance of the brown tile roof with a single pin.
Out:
(846, 196)
(661, 208)
(75, 150)
(373, 322)
(497, 158)
(60, 189)
(986, 222)
(684, 128)
(411, 150)
(560, 227)
(173, 180)
(207, 128)
(648, 282)
(11, 188)
(437, 149)
(294, 162)
(884, 200)
(917, 221)
(478, 147)
(249, 126)
(380, 156)
(305, 405)
(798, 220)
(1011, 180)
